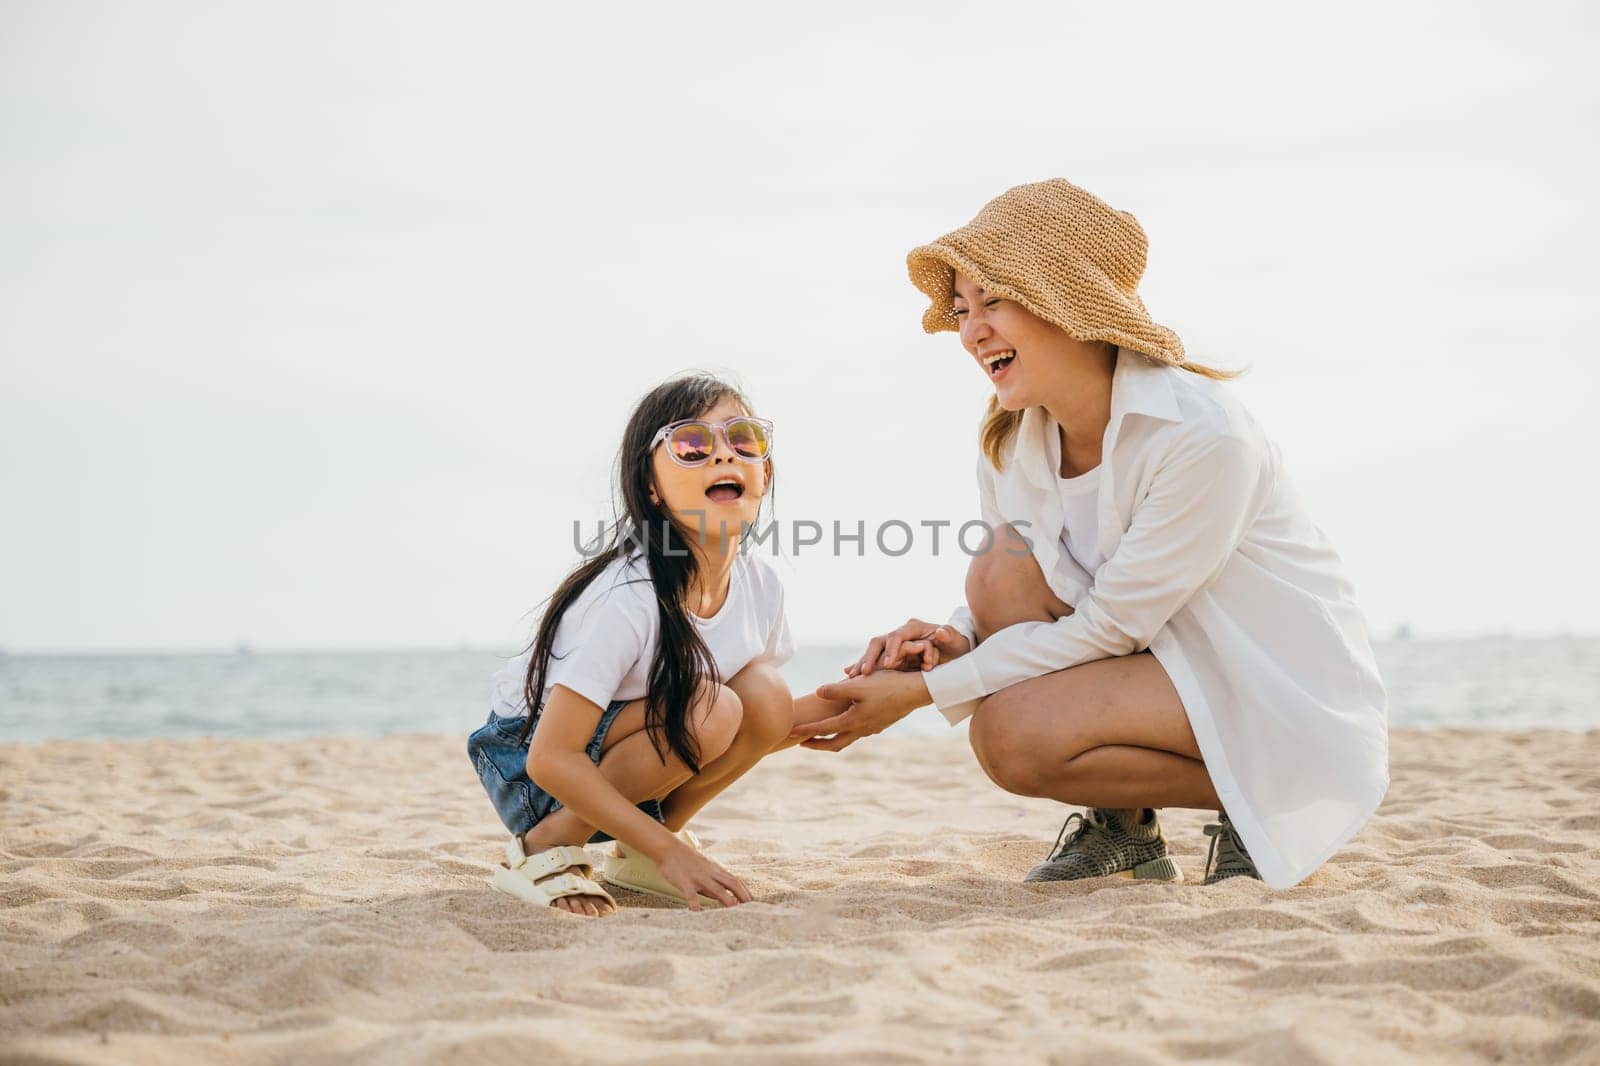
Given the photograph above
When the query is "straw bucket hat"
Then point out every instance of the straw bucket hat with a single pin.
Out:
(1059, 251)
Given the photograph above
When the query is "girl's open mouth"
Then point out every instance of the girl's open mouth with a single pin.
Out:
(727, 490)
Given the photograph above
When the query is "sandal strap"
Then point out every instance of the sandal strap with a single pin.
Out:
(544, 893)
(548, 861)
(570, 884)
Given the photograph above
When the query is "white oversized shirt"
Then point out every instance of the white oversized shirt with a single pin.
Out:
(1214, 566)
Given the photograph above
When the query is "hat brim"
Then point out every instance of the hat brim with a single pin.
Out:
(933, 268)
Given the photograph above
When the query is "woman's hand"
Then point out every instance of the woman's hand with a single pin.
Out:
(694, 873)
(917, 645)
(876, 703)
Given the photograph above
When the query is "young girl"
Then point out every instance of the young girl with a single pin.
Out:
(652, 679)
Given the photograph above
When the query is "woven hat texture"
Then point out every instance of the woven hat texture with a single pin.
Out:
(1059, 251)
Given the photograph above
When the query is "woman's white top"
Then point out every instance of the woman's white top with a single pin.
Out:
(1214, 566)
(1080, 532)
(607, 638)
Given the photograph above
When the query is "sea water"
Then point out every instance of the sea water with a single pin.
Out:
(1489, 682)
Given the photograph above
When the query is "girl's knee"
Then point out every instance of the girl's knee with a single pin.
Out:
(767, 703)
(716, 719)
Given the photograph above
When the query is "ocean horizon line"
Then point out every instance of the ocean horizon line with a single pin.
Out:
(246, 647)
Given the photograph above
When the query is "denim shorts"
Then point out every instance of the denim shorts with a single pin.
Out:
(502, 766)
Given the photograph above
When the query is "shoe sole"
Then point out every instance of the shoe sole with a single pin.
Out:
(642, 889)
(609, 877)
(617, 882)
(1162, 869)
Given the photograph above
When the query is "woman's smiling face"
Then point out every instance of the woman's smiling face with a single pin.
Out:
(717, 495)
(1026, 358)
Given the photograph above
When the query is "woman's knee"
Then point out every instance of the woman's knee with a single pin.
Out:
(768, 705)
(1006, 754)
(1005, 585)
(1024, 748)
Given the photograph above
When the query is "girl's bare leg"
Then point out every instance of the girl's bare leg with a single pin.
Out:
(764, 713)
(763, 728)
(630, 763)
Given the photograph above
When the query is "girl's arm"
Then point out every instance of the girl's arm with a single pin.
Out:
(811, 708)
(558, 760)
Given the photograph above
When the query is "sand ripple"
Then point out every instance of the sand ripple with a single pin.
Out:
(322, 900)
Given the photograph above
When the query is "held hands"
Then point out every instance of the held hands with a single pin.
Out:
(875, 703)
(693, 873)
(917, 645)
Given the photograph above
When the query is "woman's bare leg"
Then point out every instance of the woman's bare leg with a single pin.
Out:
(1005, 586)
(1111, 733)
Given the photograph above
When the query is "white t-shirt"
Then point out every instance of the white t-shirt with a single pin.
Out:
(1080, 534)
(607, 638)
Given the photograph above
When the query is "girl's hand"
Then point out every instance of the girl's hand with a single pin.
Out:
(693, 873)
(876, 704)
(917, 645)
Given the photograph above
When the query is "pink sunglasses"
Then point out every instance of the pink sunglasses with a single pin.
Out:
(692, 441)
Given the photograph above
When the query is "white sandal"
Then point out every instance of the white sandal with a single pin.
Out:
(636, 872)
(520, 876)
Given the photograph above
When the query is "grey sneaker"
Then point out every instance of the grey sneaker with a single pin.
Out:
(1232, 860)
(1102, 845)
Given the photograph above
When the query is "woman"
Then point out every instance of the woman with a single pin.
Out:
(1158, 622)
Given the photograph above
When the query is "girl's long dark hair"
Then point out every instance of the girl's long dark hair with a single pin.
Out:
(682, 662)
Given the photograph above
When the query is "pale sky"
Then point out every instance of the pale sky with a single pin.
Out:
(319, 323)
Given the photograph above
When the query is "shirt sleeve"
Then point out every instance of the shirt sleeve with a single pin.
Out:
(780, 642)
(601, 647)
(1201, 502)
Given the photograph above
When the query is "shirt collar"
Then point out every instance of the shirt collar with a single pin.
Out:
(1139, 386)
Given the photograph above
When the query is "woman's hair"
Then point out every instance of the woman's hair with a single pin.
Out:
(682, 662)
(999, 424)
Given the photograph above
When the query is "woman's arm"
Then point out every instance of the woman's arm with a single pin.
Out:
(1201, 503)
(1198, 509)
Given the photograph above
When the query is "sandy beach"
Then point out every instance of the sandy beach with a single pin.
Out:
(323, 900)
